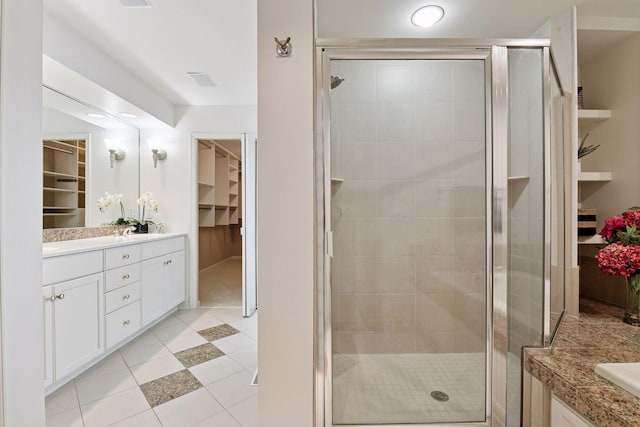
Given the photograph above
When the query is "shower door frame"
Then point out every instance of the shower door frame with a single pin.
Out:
(494, 53)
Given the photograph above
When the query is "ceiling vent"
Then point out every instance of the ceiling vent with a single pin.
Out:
(201, 79)
(135, 3)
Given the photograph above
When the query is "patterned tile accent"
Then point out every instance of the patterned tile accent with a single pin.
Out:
(60, 234)
(169, 387)
(218, 332)
(197, 355)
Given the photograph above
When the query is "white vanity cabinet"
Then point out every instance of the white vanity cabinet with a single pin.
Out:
(96, 300)
(163, 278)
(73, 313)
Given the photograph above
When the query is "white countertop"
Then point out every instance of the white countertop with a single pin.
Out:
(66, 247)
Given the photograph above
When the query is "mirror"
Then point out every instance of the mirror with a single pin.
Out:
(79, 168)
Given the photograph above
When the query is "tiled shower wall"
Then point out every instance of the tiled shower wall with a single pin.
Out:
(408, 273)
(526, 191)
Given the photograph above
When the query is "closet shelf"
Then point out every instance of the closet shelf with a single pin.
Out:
(594, 176)
(58, 190)
(589, 118)
(205, 206)
(58, 174)
(204, 184)
(591, 240)
(62, 150)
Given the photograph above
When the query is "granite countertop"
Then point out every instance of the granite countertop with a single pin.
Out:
(66, 247)
(598, 336)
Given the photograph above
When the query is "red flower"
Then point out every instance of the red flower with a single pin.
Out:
(619, 259)
(613, 225)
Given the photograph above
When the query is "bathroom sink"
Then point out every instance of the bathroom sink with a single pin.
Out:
(625, 375)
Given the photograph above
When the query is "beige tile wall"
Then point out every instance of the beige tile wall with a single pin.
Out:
(408, 273)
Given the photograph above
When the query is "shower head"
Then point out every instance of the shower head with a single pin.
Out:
(336, 81)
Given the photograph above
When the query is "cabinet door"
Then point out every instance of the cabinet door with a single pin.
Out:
(152, 289)
(78, 322)
(47, 303)
(563, 416)
(174, 286)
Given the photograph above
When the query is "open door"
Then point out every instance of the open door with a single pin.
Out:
(248, 230)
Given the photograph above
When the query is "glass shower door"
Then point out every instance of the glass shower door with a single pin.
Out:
(408, 283)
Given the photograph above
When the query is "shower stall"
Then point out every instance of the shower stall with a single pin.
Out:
(440, 182)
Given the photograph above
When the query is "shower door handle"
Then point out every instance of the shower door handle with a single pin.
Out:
(330, 243)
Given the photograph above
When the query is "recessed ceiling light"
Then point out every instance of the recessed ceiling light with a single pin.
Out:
(128, 115)
(135, 3)
(201, 79)
(427, 16)
(96, 115)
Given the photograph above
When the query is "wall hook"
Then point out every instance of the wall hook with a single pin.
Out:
(283, 49)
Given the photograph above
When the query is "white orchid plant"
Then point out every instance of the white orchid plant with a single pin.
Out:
(109, 199)
(144, 201)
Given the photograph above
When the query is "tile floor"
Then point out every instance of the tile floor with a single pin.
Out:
(221, 285)
(192, 369)
(396, 388)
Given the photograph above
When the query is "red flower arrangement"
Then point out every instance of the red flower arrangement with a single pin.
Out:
(622, 256)
(619, 259)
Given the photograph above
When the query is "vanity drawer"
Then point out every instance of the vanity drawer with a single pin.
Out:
(122, 323)
(120, 297)
(123, 255)
(66, 267)
(162, 247)
(122, 276)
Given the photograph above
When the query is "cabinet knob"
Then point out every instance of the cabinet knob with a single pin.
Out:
(125, 256)
(61, 296)
(51, 298)
(126, 322)
(169, 262)
(127, 296)
(125, 277)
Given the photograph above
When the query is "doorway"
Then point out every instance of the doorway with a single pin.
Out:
(226, 223)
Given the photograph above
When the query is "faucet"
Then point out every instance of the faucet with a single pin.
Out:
(128, 231)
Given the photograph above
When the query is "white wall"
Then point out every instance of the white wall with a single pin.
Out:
(21, 213)
(174, 182)
(285, 215)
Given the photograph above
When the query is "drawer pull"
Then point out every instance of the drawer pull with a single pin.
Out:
(126, 322)
(125, 256)
(61, 296)
(127, 296)
(125, 277)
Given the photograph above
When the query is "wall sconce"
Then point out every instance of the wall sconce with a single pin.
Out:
(114, 152)
(158, 155)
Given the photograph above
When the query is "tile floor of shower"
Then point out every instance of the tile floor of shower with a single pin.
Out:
(397, 388)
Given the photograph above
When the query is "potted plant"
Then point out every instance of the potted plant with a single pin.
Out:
(109, 199)
(621, 257)
(146, 200)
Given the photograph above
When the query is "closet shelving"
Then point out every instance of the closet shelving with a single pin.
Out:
(218, 185)
(64, 178)
(587, 120)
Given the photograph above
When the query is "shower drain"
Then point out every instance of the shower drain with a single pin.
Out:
(440, 396)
